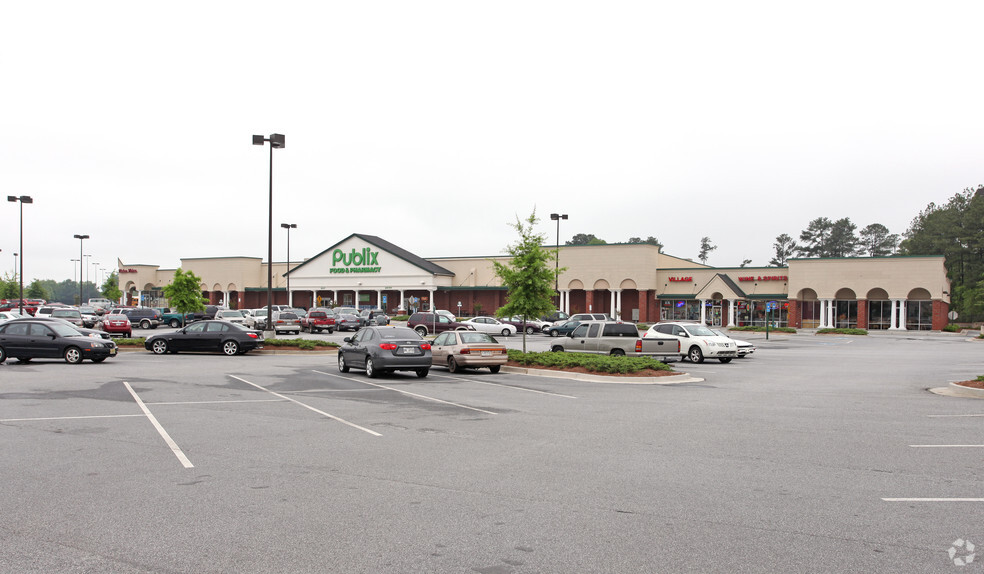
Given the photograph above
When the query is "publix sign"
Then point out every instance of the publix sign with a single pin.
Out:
(355, 261)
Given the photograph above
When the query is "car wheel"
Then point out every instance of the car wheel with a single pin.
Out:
(98, 359)
(618, 353)
(3, 355)
(330, 331)
(422, 331)
(725, 359)
(342, 367)
(553, 332)
(505, 332)
(452, 365)
(145, 324)
(159, 346)
(230, 348)
(73, 355)
(557, 349)
(421, 373)
(174, 323)
(494, 368)
(530, 330)
(695, 355)
(371, 371)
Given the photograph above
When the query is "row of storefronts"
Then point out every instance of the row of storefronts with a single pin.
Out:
(629, 281)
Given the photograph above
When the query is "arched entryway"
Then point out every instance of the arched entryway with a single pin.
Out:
(809, 309)
(845, 309)
(919, 310)
(879, 309)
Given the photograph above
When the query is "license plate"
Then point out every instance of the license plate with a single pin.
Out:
(112, 351)
(408, 350)
(486, 353)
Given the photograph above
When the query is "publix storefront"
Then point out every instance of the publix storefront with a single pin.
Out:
(631, 281)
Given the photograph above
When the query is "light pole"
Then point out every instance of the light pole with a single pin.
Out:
(22, 199)
(74, 261)
(15, 265)
(95, 275)
(81, 238)
(557, 217)
(288, 227)
(276, 141)
(87, 256)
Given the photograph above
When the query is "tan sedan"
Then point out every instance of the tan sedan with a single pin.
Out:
(458, 350)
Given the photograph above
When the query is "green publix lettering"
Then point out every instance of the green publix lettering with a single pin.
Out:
(357, 258)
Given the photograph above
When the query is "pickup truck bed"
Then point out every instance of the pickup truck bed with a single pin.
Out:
(618, 339)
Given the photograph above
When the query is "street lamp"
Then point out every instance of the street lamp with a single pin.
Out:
(22, 199)
(81, 238)
(74, 261)
(87, 256)
(288, 227)
(15, 265)
(557, 217)
(95, 275)
(276, 141)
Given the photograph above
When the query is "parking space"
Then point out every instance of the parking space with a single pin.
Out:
(280, 462)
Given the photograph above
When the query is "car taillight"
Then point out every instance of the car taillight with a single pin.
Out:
(252, 335)
(465, 352)
(388, 346)
(639, 345)
(426, 346)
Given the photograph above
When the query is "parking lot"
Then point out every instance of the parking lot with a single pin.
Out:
(817, 454)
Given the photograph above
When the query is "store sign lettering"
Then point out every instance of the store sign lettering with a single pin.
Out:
(765, 278)
(364, 261)
(687, 279)
(127, 270)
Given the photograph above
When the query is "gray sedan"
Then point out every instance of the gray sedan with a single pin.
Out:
(380, 350)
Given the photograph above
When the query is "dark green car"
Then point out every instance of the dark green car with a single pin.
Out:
(563, 329)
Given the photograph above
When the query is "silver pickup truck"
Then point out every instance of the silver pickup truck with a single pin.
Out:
(618, 339)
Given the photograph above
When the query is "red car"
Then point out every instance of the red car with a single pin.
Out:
(317, 321)
(117, 325)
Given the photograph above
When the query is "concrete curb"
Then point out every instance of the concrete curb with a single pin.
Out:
(955, 390)
(668, 380)
(265, 351)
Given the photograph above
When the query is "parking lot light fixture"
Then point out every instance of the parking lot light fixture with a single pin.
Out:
(276, 141)
(557, 217)
(81, 238)
(22, 199)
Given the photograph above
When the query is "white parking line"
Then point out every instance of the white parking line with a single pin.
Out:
(320, 412)
(947, 445)
(476, 381)
(407, 393)
(219, 402)
(167, 438)
(68, 418)
(949, 416)
(933, 499)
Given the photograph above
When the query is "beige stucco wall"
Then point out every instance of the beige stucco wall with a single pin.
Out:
(896, 275)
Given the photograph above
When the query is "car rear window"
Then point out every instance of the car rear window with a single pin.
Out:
(317, 315)
(65, 313)
(620, 330)
(399, 333)
(286, 315)
(467, 337)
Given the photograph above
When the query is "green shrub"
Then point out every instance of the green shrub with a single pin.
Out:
(307, 344)
(400, 318)
(842, 332)
(980, 378)
(952, 328)
(135, 341)
(593, 363)
(761, 329)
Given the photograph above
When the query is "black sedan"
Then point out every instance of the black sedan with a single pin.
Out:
(384, 350)
(26, 339)
(207, 336)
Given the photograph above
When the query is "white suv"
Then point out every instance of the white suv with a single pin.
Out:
(697, 341)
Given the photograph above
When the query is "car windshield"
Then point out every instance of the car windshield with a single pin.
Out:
(259, 313)
(232, 313)
(65, 313)
(399, 333)
(64, 330)
(467, 337)
(699, 331)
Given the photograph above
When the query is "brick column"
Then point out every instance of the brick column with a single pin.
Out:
(725, 312)
(644, 306)
(589, 302)
(794, 317)
(862, 313)
(940, 311)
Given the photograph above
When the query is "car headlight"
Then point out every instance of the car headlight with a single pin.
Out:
(96, 345)
(94, 336)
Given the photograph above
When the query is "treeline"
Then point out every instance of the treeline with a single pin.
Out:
(66, 291)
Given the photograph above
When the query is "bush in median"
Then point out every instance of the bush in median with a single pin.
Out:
(842, 332)
(593, 363)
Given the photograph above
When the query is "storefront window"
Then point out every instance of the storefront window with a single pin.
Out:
(879, 314)
(679, 310)
(918, 315)
(846, 314)
(712, 312)
(810, 314)
(753, 313)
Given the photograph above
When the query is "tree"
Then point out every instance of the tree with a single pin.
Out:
(745, 262)
(585, 239)
(111, 288)
(815, 238)
(875, 241)
(9, 287)
(843, 242)
(649, 241)
(528, 276)
(37, 291)
(185, 293)
(705, 249)
(785, 247)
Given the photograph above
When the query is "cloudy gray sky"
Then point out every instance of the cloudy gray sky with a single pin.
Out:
(435, 124)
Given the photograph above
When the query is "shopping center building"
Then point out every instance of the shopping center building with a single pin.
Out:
(636, 282)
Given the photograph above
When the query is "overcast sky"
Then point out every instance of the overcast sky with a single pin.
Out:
(435, 124)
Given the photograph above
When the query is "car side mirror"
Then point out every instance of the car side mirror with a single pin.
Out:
(571, 334)
(347, 339)
(52, 336)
